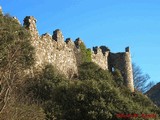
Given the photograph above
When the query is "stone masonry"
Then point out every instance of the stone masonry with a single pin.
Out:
(64, 54)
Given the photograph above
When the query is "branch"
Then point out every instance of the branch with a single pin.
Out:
(6, 98)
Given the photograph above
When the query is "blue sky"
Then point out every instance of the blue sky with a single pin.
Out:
(113, 23)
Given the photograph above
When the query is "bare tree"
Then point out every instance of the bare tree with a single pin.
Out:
(141, 80)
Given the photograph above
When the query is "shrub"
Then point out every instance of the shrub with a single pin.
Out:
(19, 111)
(42, 86)
(118, 77)
(90, 70)
(16, 55)
(88, 99)
(85, 53)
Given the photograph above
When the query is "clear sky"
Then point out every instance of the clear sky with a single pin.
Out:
(114, 23)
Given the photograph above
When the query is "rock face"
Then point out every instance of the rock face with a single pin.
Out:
(154, 94)
(64, 55)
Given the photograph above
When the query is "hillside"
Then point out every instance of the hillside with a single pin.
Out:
(154, 94)
(46, 94)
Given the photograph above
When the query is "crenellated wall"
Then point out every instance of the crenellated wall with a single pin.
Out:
(65, 54)
(100, 58)
(53, 49)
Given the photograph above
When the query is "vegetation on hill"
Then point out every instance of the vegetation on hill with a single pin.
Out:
(95, 95)
(85, 53)
(16, 56)
(154, 94)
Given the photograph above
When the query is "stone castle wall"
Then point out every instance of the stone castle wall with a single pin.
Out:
(64, 54)
(53, 49)
(100, 58)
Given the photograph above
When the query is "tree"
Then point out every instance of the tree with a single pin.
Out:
(42, 86)
(85, 53)
(141, 80)
(90, 70)
(16, 55)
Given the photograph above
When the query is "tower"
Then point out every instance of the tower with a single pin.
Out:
(128, 70)
(122, 61)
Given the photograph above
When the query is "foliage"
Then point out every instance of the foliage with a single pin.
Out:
(90, 98)
(90, 70)
(41, 88)
(85, 53)
(16, 55)
(118, 77)
(20, 111)
(14, 44)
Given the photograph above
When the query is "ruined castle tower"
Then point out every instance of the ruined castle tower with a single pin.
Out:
(128, 76)
(65, 55)
(122, 62)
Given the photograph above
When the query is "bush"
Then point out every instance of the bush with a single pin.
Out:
(118, 77)
(83, 100)
(16, 55)
(90, 70)
(86, 99)
(20, 111)
(42, 86)
(85, 53)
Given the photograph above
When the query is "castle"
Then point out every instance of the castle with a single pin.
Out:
(64, 54)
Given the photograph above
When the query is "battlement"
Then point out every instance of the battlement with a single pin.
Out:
(101, 49)
(65, 54)
(127, 49)
(57, 36)
(77, 42)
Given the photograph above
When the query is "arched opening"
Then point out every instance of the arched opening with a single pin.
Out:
(113, 69)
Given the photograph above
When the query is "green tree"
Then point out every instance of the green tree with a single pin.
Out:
(41, 88)
(16, 55)
(90, 70)
(85, 53)
(118, 77)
